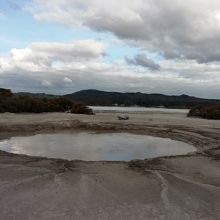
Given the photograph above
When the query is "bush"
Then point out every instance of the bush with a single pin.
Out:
(5, 93)
(28, 104)
(207, 112)
(81, 109)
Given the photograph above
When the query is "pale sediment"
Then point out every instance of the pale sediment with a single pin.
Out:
(177, 187)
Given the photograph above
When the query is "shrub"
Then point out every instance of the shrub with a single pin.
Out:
(22, 104)
(81, 109)
(208, 112)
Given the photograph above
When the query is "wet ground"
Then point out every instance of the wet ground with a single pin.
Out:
(178, 187)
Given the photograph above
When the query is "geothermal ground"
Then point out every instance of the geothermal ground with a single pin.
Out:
(177, 187)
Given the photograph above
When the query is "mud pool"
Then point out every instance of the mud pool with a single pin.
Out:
(95, 147)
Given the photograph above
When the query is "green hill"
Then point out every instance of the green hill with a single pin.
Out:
(96, 97)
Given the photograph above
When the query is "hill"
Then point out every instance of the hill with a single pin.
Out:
(102, 98)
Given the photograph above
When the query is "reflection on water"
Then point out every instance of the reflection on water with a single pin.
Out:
(95, 147)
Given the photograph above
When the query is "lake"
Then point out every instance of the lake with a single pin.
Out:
(117, 109)
(95, 147)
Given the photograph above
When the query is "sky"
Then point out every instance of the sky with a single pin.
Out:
(151, 46)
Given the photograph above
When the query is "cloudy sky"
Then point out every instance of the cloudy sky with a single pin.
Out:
(152, 46)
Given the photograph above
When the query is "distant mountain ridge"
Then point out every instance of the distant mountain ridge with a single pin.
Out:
(102, 98)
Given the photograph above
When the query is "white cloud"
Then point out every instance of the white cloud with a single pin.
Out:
(46, 83)
(67, 80)
(41, 55)
(176, 29)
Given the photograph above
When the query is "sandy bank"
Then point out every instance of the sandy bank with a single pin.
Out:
(183, 187)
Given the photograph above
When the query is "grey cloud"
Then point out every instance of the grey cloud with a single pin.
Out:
(111, 78)
(187, 29)
(86, 49)
(46, 83)
(29, 70)
(89, 79)
(142, 60)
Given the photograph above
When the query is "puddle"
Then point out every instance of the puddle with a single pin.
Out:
(95, 147)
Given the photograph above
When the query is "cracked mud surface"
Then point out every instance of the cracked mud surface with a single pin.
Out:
(177, 187)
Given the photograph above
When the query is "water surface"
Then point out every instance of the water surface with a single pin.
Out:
(95, 147)
(136, 109)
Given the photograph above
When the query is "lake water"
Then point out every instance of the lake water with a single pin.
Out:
(116, 109)
(95, 147)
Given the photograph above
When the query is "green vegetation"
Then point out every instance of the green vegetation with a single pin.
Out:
(208, 112)
(28, 104)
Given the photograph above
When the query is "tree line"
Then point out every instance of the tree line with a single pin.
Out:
(27, 104)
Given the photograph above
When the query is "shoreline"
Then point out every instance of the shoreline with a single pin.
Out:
(174, 187)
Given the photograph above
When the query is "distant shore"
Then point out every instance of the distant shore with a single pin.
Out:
(135, 109)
